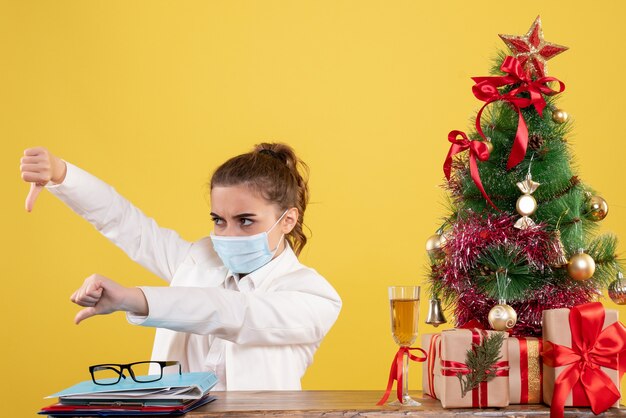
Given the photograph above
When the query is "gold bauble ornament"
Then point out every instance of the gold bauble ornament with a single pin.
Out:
(436, 244)
(502, 317)
(445, 237)
(433, 244)
(489, 145)
(617, 290)
(559, 116)
(597, 208)
(581, 266)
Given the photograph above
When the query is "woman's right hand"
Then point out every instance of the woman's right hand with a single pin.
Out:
(38, 167)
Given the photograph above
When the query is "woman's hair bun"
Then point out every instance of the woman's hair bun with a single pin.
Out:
(281, 152)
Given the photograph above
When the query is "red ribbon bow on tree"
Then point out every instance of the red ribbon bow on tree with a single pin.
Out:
(486, 89)
(592, 348)
(396, 372)
(477, 149)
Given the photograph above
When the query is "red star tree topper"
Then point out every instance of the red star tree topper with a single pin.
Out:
(532, 50)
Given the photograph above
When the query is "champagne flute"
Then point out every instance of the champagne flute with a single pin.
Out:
(404, 305)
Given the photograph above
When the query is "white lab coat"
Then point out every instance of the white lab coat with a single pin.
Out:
(258, 333)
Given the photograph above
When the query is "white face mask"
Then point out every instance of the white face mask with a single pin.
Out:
(248, 253)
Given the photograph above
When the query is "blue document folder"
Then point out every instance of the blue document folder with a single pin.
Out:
(171, 387)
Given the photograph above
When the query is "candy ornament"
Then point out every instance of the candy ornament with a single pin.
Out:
(526, 204)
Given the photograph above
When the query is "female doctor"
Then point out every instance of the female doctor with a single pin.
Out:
(239, 302)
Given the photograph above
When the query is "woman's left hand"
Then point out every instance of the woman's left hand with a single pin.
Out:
(100, 296)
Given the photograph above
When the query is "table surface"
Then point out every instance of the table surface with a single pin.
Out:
(346, 403)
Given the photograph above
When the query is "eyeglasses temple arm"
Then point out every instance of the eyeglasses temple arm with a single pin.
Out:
(175, 362)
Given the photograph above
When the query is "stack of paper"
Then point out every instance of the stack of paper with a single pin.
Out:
(172, 395)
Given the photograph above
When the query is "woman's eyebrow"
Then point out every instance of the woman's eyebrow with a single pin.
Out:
(245, 215)
(239, 216)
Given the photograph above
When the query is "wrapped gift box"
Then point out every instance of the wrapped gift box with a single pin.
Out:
(525, 370)
(430, 343)
(447, 355)
(598, 339)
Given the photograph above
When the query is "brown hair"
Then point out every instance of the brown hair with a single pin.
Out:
(274, 170)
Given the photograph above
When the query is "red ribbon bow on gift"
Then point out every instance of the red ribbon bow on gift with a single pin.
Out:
(396, 372)
(477, 149)
(592, 348)
(486, 89)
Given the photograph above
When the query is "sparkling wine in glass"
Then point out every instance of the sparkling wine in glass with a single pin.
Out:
(404, 305)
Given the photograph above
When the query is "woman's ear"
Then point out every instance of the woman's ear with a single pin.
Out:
(289, 220)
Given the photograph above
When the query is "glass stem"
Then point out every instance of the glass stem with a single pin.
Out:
(405, 377)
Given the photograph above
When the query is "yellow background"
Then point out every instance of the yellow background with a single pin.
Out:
(152, 95)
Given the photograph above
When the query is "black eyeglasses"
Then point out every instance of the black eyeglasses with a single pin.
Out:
(110, 374)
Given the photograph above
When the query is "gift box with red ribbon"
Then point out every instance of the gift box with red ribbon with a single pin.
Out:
(430, 343)
(584, 358)
(446, 366)
(525, 370)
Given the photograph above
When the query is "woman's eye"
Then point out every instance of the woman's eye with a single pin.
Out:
(246, 222)
(217, 221)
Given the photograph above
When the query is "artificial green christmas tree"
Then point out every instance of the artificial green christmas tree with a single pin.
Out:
(521, 235)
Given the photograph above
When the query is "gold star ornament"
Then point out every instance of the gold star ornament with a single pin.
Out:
(531, 50)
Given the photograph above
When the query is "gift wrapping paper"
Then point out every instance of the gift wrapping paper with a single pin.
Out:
(430, 343)
(446, 356)
(525, 370)
(556, 329)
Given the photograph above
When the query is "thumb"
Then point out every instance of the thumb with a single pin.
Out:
(84, 314)
(35, 189)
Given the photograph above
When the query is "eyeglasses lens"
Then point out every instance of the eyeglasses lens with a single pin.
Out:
(141, 371)
(106, 375)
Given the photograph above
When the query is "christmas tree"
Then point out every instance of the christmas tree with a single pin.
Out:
(521, 235)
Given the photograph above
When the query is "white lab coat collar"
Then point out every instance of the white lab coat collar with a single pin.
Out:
(257, 278)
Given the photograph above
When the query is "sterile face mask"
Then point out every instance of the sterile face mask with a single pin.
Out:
(248, 253)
